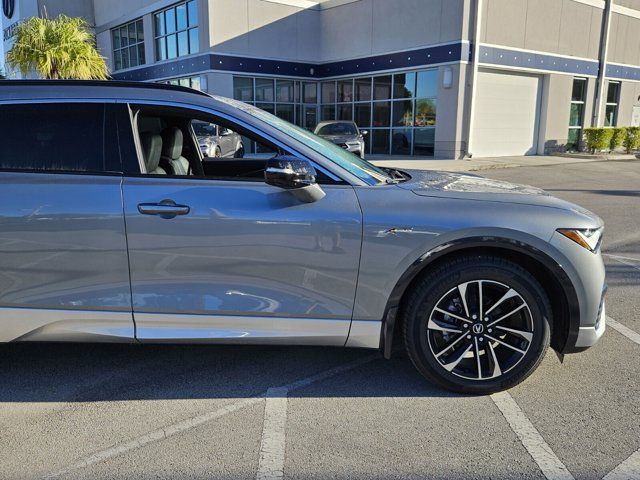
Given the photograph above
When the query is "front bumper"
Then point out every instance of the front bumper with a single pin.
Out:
(589, 336)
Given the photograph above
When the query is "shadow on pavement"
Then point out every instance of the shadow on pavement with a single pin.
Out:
(32, 372)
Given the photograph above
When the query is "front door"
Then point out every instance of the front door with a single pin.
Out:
(222, 256)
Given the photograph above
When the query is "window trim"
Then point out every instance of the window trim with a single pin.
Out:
(109, 115)
(121, 48)
(339, 179)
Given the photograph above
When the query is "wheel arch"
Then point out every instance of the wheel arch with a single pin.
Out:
(549, 273)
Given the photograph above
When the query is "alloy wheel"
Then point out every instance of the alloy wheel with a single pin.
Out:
(480, 330)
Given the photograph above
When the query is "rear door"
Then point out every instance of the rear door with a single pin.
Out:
(63, 257)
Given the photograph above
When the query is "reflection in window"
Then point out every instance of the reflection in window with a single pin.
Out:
(128, 45)
(382, 88)
(423, 141)
(176, 31)
(404, 85)
(380, 142)
(190, 82)
(425, 112)
(403, 113)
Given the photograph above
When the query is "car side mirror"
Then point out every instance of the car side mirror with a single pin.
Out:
(294, 174)
(364, 133)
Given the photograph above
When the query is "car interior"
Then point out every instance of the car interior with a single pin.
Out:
(168, 146)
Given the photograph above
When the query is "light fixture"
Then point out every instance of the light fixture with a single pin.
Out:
(447, 77)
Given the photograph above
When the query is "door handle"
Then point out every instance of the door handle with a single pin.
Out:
(165, 209)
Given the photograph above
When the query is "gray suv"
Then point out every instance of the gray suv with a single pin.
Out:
(115, 229)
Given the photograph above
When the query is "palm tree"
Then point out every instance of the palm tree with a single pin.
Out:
(62, 48)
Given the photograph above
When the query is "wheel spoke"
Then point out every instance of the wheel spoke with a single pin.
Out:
(449, 328)
(496, 365)
(462, 289)
(477, 351)
(510, 294)
(453, 344)
(516, 310)
(480, 314)
(505, 344)
(452, 315)
(528, 336)
(454, 364)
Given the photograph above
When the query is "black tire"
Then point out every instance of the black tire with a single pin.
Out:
(442, 285)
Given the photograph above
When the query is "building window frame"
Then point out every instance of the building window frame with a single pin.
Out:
(574, 139)
(192, 81)
(176, 31)
(612, 104)
(124, 53)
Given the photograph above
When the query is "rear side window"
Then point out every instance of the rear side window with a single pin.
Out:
(55, 137)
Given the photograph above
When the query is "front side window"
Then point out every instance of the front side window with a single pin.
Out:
(55, 137)
(128, 45)
(176, 31)
(576, 114)
(611, 109)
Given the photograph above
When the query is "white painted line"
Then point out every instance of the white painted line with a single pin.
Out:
(624, 260)
(154, 436)
(183, 426)
(626, 331)
(549, 463)
(272, 447)
(627, 470)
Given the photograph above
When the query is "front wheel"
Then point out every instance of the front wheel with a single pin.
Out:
(477, 325)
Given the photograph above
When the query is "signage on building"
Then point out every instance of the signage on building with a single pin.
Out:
(10, 31)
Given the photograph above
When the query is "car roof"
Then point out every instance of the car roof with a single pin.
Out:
(108, 90)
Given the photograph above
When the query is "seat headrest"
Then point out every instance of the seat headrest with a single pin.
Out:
(151, 149)
(172, 143)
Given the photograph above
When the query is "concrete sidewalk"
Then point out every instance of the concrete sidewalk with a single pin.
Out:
(476, 164)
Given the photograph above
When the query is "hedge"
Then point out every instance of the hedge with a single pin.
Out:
(598, 139)
(631, 140)
(618, 136)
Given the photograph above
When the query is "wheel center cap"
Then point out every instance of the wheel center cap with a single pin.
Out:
(478, 328)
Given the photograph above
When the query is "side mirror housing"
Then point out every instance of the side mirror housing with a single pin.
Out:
(294, 174)
(364, 133)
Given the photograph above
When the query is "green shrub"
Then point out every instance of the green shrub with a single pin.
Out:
(598, 139)
(617, 138)
(631, 140)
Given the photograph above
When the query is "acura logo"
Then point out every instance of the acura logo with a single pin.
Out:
(8, 6)
(478, 328)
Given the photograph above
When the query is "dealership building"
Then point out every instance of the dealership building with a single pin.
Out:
(443, 78)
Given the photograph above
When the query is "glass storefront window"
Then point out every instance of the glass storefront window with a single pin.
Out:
(380, 141)
(310, 92)
(611, 110)
(345, 112)
(576, 113)
(345, 91)
(382, 88)
(425, 112)
(243, 89)
(381, 114)
(285, 112)
(404, 85)
(401, 141)
(424, 141)
(264, 90)
(327, 112)
(427, 84)
(362, 115)
(284, 91)
(328, 92)
(402, 113)
(363, 89)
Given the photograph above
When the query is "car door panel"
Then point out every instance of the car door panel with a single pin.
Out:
(245, 262)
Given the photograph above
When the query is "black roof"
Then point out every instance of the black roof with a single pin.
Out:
(103, 83)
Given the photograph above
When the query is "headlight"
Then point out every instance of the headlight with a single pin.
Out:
(588, 238)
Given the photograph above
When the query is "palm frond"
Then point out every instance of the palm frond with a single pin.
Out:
(62, 48)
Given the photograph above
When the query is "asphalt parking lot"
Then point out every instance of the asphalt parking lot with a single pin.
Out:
(129, 411)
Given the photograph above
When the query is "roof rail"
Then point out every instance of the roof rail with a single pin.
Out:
(104, 83)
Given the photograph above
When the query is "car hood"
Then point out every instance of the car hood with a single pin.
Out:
(204, 139)
(474, 187)
(341, 138)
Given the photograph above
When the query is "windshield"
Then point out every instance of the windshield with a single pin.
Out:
(203, 129)
(337, 129)
(362, 169)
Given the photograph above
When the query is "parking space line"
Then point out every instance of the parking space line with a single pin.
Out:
(185, 425)
(627, 470)
(626, 331)
(540, 451)
(624, 260)
(272, 446)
